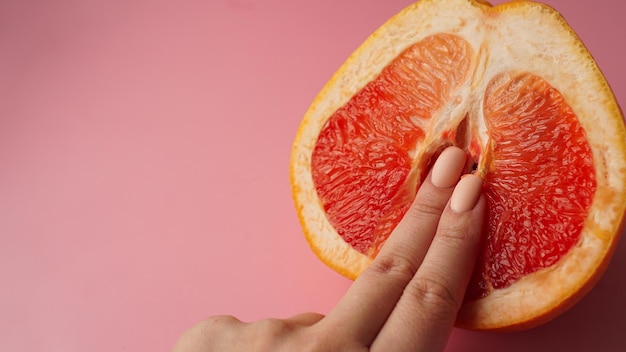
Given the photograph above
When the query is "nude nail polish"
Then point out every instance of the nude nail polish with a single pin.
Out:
(448, 167)
(466, 193)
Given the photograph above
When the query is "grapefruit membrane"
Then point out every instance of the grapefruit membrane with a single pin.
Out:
(515, 88)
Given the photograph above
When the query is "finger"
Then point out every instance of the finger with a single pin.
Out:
(430, 302)
(305, 319)
(364, 309)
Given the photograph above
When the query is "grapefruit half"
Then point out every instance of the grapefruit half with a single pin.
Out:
(513, 86)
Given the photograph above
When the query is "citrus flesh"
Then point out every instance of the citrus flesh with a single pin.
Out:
(547, 138)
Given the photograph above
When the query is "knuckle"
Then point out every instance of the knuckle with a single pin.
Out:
(306, 319)
(395, 265)
(267, 335)
(210, 333)
(222, 319)
(456, 235)
(423, 211)
(433, 295)
(452, 235)
(211, 324)
(454, 228)
(428, 206)
(272, 325)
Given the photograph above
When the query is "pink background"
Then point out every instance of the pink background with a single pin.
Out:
(144, 152)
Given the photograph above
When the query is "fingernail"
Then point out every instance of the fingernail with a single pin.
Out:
(466, 193)
(448, 167)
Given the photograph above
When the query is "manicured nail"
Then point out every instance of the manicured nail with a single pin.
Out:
(466, 193)
(448, 167)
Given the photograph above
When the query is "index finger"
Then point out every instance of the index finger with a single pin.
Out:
(368, 303)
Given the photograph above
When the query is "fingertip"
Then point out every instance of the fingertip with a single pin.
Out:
(448, 167)
(466, 194)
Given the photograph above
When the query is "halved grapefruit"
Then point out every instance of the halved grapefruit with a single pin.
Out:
(513, 86)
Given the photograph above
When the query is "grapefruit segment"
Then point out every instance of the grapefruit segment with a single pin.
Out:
(537, 119)
(540, 180)
(363, 154)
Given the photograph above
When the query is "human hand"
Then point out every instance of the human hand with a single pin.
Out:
(406, 300)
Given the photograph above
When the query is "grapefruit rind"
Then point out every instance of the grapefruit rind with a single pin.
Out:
(515, 36)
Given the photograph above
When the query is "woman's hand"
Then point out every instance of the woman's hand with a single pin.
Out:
(406, 300)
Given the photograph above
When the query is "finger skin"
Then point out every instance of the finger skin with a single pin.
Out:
(429, 305)
(226, 333)
(364, 309)
(305, 319)
(210, 334)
